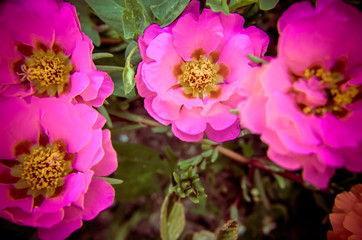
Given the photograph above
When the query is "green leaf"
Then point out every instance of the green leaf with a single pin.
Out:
(128, 74)
(267, 4)
(140, 168)
(110, 11)
(167, 11)
(203, 235)
(218, 6)
(112, 181)
(190, 162)
(101, 55)
(244, 188)
(162, 129)
(133, 19)
(136, 56)
(247, 148)
(172, 218)
(229, 231)
(214, 155)
(86, 22)
(109, 69)
(235, 4)
(207, 153)
(102, 110)
(234, 111)
(118, 89)
(256, 59)
(281, 181)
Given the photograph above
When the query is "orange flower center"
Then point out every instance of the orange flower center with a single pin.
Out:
(48, 71)
(337, 92)
(42, 170)
(199, 77)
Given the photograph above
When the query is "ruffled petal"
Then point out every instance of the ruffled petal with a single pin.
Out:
(186, 137)
(226, 134)
(190, 121)
(72, 221)
(219, 117)
(191, 33)
(166, 109)
(108, 163)
(99, 196)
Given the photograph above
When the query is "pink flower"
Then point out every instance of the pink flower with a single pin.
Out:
(346, 216)
(191, 71)
(51, 155)
(44, 53)
(306, 103)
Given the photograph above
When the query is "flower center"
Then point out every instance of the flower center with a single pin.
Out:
(337, 94)
(48, 71)
(199, 77)
(43, 169)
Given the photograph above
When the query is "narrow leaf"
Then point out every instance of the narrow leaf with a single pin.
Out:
(256, 59)
(101, 55)
(109, 69)
(102, 110)
(113, 181)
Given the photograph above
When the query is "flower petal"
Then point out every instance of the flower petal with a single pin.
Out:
(190, 121)
(108, 163)
(99, 196)
(72, 221)
(191, 33)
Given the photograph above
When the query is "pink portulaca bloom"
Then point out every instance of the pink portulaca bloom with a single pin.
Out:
(306, 104)
(191, 71)
(51, 154)
(44, 53)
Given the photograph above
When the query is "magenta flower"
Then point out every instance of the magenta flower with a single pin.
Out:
(51, 154)
(191, 71)
(306, 103)
(44, 53)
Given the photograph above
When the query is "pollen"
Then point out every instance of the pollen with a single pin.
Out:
(335, 86)
(199, 77)
(42, 171)
(47, 71)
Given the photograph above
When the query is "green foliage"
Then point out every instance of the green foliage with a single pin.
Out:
(229, 231)
(218, 6)
(140, 168)
(112, 181)
(187, 184)
(172, 218)
(267, 4)
(110, 11)
(134, 19)
(235, 4)
(119, 90)
(101, 55)
(256, 59)
(102, 110)
(128, 73)
(86, 23)
(167, 11)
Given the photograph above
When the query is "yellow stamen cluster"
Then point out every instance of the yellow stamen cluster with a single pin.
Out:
(338, 96)
(199, 77)
(48, 71)
(41, 171)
